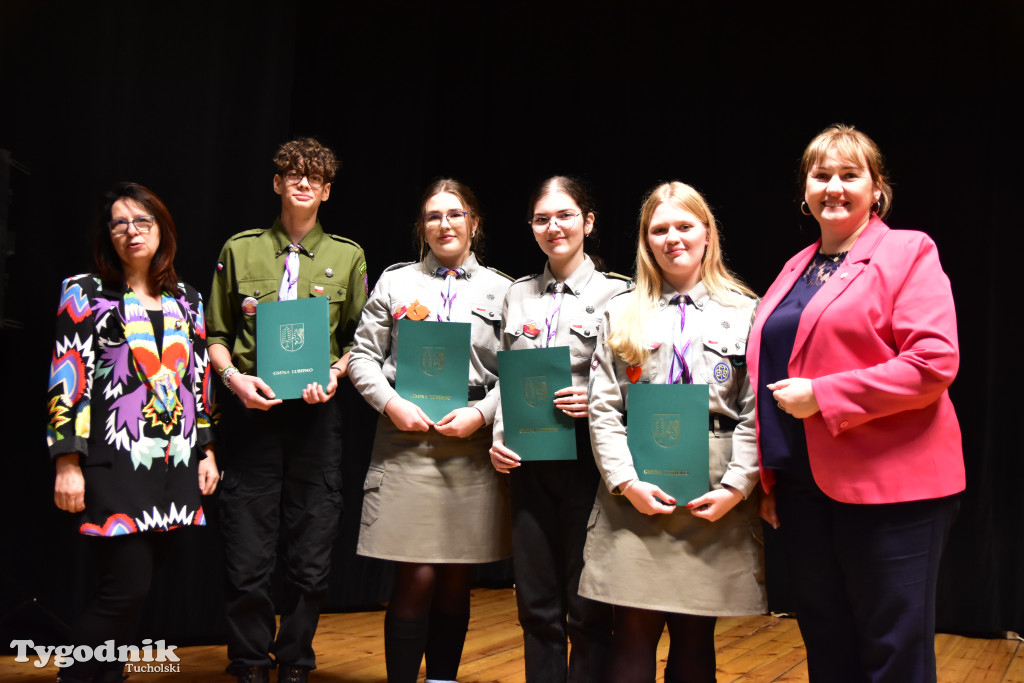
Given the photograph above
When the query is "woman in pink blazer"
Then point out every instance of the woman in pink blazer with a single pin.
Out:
(851, 353)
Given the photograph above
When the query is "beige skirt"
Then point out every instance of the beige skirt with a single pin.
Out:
(674, 563)
(434, 499)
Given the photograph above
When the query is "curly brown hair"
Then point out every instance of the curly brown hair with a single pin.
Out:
(307, 155)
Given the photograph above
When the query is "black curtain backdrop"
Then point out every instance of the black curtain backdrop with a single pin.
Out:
(192, 99)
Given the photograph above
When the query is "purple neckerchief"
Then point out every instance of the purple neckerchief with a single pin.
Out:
(556, 305)
(448, 292)
(288, 290)
(679, 371)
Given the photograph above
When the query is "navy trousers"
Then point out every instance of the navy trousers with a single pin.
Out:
(281, 487)
(864, 579)
(551, 503)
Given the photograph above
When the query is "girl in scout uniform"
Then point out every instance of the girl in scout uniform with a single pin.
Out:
(687, 321)
(552, 499)
(432, 502)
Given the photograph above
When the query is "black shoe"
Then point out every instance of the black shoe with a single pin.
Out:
(252, 674)
(286, 673)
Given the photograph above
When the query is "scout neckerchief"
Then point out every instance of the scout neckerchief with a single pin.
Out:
(679, 370)
(551, 321)
(288, 290)
(448, 291)
(161, 372)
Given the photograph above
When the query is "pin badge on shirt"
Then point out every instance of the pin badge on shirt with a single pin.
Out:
(329, 272)
(590, 309)
(249, 305)
(531, 330)
(417, 311)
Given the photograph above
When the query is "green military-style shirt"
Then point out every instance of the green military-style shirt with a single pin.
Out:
(249, 272)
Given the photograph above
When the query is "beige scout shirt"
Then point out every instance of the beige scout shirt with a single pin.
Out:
(719, 346)
(478, 298)
(580, 317)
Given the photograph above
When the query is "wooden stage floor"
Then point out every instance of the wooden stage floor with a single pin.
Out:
(350, 649)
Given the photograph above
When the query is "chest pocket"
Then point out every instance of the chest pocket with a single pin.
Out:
(333, 290)
(486, 325)
(262, 290)
(725, 356)
(584, 333)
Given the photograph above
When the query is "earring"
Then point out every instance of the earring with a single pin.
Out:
(473, 235)
(804, 209)
(875, 207)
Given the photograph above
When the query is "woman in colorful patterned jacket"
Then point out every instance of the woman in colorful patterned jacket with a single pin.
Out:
(129, 403)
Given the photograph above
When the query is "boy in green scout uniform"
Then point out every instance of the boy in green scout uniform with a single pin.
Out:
(282, 460)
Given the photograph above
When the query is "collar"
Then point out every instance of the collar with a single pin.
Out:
(430, 264)
(575, 283)
(866, 242)
(310, 243)
(698, 294)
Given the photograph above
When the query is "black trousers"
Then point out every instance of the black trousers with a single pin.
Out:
(551, 504)
(864, 580)
(281, 485)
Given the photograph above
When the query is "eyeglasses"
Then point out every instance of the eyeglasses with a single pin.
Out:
(143, 224)
(315, 180)
(456, 219)
(565, 219)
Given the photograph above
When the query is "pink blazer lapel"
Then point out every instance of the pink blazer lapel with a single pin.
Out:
(853, 266)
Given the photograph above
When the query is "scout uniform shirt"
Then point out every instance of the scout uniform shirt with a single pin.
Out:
(717, 348)
(414, 290)
(580, 317)
(249, 273)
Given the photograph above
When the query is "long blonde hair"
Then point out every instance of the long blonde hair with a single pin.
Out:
(628, 340)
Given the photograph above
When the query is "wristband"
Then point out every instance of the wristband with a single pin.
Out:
(227, 374)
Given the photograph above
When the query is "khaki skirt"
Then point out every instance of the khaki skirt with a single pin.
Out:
(677, 562)
(433, 499)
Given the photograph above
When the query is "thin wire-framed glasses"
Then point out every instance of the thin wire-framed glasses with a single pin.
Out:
(143, 224)
(315, 180)
(456, 219)
(563, 219)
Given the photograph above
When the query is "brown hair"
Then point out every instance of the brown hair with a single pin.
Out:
(849, 144)
(469, 203)
(306, 155)
(162, 277)
(578, 191)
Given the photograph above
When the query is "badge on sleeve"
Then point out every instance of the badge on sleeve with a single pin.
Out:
(249, 305)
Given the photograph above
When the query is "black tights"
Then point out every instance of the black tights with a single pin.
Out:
(428, 614)
(634, 654)
(125, 572)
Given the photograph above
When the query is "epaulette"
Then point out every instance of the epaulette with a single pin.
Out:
(526, 278)
(396, 266)
(343, 240)
(504, 275)
(255, 232)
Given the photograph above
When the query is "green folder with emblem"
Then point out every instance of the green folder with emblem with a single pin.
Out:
(293, 345)
(534, 427)
(667, 435)
(433, 365)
